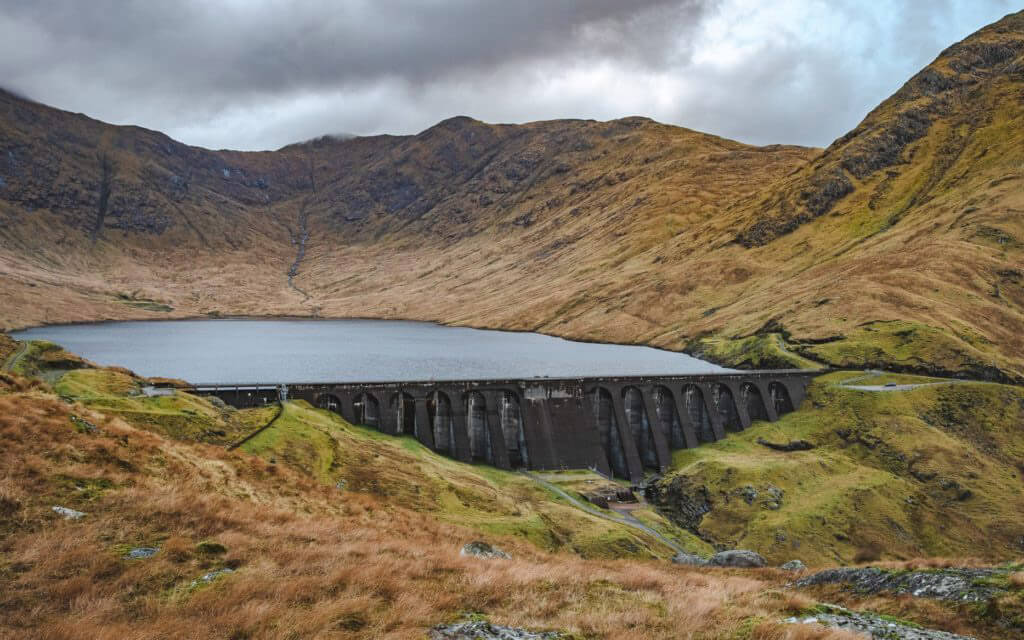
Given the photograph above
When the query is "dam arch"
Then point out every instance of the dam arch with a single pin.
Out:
(725, 402)
(367, 410)
(751, 398)
(603, 406)
(697, 408)
(511, 421)
(669, 419)
(476, 427)
(780, 398)
(640, 426)
(329, 402)
(439, 410)
(403, 407)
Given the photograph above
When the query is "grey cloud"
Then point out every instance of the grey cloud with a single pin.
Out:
(263, 73)
(277, 46)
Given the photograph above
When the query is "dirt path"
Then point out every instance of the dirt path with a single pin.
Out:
(627, 520)
(14, 357)
(848, 384)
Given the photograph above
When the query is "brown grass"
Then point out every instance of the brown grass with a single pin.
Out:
(933, 563)
(310, 561)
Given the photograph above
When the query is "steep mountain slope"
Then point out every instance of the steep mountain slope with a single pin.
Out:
(899, 245)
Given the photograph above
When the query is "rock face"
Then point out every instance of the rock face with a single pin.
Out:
(793, 565)
(963, 585)
(737, 558)
(482, 550)
(872, 626)
(487, 631)
(681, 500)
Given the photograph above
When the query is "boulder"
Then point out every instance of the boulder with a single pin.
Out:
(689, 559)
(69, 514)
(737, 558)
(486, 631)
(482, 550)
(792, 445)
(211, 576)
(139, 553)
(793, 565)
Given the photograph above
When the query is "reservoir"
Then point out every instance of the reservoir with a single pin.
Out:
(307, 350)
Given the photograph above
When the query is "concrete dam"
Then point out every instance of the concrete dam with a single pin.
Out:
(618, 426)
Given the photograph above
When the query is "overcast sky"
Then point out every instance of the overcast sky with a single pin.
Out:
(259, 74)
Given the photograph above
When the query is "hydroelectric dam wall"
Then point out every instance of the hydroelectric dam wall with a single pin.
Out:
(619, 426)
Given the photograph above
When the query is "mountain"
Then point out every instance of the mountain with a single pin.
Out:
(899, 245)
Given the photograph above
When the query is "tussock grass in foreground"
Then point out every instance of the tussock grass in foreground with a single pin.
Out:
(307, 559)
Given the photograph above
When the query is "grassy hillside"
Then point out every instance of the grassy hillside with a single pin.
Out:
(307, 558)
(934, 471)
(899, 245)
(331, 530)
(403, 472)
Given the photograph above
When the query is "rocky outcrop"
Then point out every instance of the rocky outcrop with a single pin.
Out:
(961, 585)
(681, 499)
(482, 550)
(872, 626)
(487, 631)
(140, 553)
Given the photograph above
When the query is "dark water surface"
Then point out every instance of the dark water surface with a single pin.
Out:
(242, 350)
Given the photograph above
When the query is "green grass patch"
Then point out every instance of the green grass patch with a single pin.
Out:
(929, 472)
(180, 415)
(763, 351)
(909, 346)
(46, 360)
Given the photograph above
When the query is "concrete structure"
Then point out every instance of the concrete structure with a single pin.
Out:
(618, 426)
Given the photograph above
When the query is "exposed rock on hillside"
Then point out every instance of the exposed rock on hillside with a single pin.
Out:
(487, 631)
(949, 92)
(872, 626)
(962, 585)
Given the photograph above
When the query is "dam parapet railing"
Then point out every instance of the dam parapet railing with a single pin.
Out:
(621, 426)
